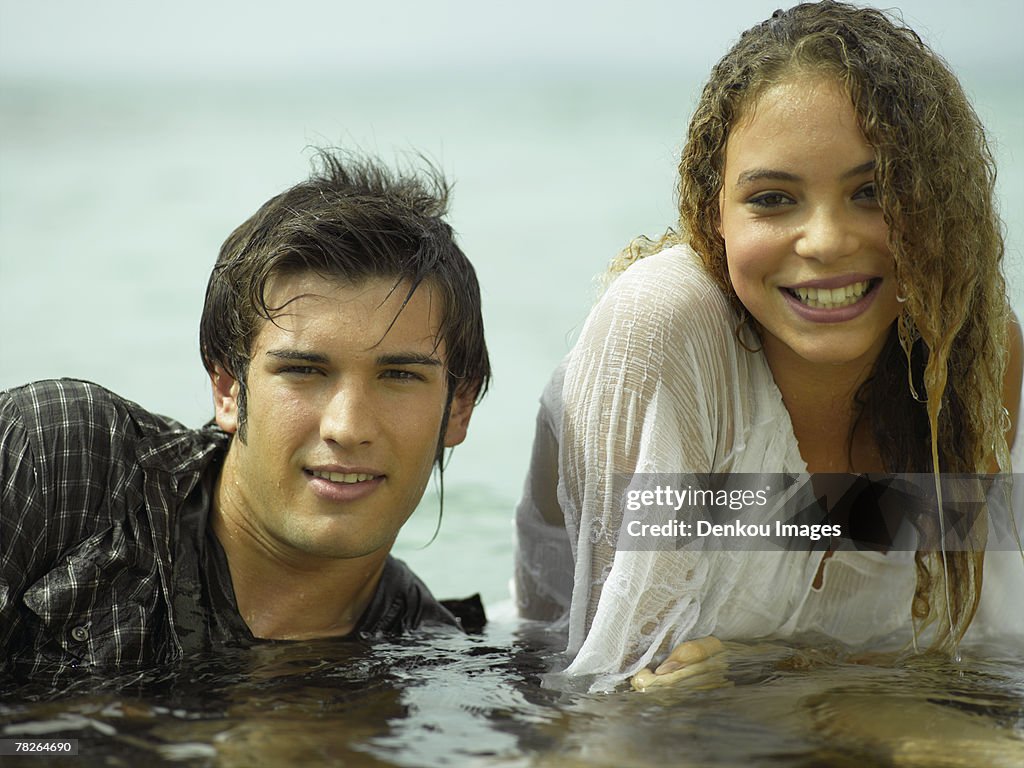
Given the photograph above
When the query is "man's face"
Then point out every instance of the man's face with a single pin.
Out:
(343, 417)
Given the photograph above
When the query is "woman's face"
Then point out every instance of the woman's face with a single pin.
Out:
(805, 239)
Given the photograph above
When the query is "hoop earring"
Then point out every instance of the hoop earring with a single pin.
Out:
(746, 321)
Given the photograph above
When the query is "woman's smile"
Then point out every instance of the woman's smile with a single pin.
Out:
(832, 305)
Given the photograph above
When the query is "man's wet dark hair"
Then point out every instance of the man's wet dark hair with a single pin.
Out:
(353, 219)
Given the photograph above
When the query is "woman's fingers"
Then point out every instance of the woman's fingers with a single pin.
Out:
(645, 679)
(689, 659)
(690, 652)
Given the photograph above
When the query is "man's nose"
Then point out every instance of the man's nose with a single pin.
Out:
(348, 417)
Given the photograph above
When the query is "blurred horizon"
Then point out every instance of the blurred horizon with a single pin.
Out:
(231, 40)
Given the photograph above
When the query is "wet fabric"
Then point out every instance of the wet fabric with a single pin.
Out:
(660, 383)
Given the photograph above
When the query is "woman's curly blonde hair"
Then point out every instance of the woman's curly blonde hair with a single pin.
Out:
(935, 396)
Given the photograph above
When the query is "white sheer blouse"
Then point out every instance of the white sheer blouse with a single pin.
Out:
(659, 383)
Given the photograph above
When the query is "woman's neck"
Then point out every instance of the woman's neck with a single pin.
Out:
(820, 399)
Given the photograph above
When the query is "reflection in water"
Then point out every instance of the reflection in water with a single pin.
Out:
(447, 699)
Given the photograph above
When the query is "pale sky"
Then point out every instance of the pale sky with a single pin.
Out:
(229, 39)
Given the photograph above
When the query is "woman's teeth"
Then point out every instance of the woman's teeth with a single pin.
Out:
(831, 298)
(338, 477)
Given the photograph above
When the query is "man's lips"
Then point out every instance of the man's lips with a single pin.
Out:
(337, 483)
(344, 475)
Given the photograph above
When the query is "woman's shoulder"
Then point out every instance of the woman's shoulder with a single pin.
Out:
(670, 290)
(668, 272)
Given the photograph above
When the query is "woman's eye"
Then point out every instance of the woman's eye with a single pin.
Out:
(770, 200)
(867, 192)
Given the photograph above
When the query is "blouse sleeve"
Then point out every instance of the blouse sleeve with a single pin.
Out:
(643, 394)
(543, 574)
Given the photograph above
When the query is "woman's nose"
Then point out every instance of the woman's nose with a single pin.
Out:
(827, 235)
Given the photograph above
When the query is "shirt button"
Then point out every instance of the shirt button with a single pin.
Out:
(81, 634)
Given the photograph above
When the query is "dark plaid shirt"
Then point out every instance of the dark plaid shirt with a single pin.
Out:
(105, 555)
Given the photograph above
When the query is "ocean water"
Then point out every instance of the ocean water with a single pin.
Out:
(481, 700)
(114, 199)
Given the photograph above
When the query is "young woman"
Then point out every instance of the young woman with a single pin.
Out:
(832, 302)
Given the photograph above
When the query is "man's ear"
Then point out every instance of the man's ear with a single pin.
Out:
(458, 416)
(225, 399)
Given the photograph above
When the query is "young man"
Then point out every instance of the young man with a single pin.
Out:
(343, 337)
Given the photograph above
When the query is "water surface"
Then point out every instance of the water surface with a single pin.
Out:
(445, 699)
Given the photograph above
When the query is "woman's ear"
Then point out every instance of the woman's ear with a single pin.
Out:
(225, 399)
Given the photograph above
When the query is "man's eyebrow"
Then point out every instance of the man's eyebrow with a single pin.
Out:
(397, 358)
(294, 354)
(409, 358)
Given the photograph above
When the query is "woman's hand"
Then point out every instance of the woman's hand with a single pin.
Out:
(689, 659)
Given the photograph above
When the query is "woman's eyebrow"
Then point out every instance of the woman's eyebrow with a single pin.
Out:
(858, 170)
(759, 174)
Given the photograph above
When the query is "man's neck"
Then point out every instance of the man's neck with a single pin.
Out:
(287, 595)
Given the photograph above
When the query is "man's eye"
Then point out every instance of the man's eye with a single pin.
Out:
(300, 370)
(401, 375)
